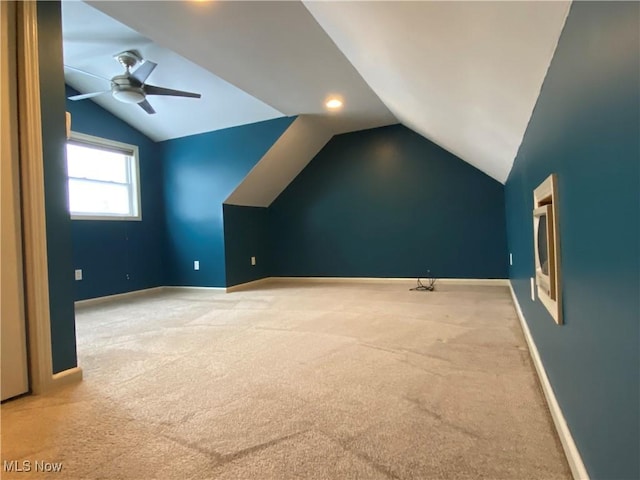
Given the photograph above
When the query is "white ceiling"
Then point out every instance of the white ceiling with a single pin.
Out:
(286, 158)
(466, 75)
(90, 40)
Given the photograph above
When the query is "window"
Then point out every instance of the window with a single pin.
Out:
(103, 179)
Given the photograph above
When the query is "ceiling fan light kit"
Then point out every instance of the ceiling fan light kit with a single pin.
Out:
(129, 95)
(124, 91)
(130, 87)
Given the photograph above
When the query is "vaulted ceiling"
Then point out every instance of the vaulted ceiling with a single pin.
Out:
(466, 75)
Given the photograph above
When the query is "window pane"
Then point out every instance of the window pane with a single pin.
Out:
(102, 178)
(101, 198)
(87, 162)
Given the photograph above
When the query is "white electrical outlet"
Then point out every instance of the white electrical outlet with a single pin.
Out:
(78, 274)
(533, 289)
(511, 259)
(253, 260)
(196, 264)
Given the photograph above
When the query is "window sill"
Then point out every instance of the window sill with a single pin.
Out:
(108, 218)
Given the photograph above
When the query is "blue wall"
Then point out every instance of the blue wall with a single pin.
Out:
(63, 334)
(246, 235)
(201, 171)
(120, 256)
(389, 203)
(585, 127)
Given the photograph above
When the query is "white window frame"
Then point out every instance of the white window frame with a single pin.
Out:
(133, 181)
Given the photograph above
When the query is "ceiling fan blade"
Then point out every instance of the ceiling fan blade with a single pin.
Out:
(146, 106)
(86, 73)
(153, 90)
(143, 71)
(87, 95)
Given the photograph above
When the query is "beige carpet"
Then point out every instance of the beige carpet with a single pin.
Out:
(293, 380)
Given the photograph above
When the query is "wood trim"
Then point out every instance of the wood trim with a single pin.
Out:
(409, 281)
(67, 117)
(487, 282)
(545, 200)
(264, 281)
(33, 201)
(36, 270)
(15, 379)
(557, 259)
(67, 377)
(248, 285)
(118, 296)
(178, 288)
(138, 293)
(571, 451)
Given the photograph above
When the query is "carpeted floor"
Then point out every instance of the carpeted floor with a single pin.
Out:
(291, 380)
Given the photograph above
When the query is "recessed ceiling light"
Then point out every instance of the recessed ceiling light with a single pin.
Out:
(334, 103)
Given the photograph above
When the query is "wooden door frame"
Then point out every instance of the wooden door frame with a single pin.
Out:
(14, 367)
(36, 275)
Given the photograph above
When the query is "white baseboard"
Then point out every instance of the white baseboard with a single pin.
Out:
(139, 293)
(66, 377)
(571, 451)
(487, 282)
(340, 279)
(378, 280)
(255, 283)
(187, 288)
(117, 296)
(248, 285)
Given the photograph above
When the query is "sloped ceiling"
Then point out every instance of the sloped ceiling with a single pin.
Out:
(91, 39)
(288, 156)
(466, 75)
(274, 51)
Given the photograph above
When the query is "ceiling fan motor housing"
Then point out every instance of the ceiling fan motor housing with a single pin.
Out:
(123, 90)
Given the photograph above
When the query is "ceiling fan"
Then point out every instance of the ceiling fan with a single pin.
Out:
(130, 87)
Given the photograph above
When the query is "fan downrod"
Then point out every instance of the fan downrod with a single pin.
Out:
(128, 59)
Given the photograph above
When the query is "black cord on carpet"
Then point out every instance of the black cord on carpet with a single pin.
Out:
(430, 286)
